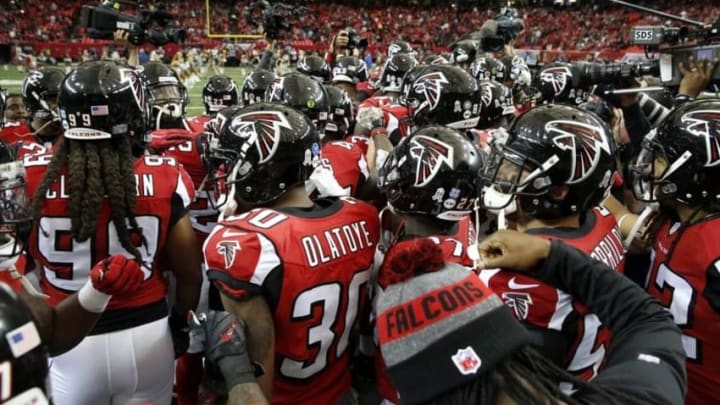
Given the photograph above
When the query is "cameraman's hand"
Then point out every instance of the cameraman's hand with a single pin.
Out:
(121, 37)
(341, 40)
(696, 76)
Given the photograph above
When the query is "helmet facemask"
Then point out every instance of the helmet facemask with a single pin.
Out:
(15, 219)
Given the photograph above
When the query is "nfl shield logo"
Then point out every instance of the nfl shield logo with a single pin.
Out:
(467, 361)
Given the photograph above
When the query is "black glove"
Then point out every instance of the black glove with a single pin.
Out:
(225, 346)
(179, 331)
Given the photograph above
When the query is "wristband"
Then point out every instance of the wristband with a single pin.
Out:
(91, 299)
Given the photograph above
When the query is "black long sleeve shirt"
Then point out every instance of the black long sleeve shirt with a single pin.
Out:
(646, 359)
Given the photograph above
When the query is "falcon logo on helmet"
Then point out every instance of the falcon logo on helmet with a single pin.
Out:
(131, 77)
(519, 303)
(486, 94)
(586, 155)
(557, 76)
(264, 128)
(430, 154)
(430, 85)
(706, 123)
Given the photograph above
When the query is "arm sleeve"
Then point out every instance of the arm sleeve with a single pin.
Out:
(654, 111)
(637, 126)
(646, 343)
(265, 60)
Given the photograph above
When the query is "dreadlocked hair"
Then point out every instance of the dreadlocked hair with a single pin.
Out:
(528, 378)
(95, 169)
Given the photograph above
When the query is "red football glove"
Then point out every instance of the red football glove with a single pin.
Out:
(117, 275)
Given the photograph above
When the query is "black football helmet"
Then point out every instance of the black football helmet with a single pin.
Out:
(254, 86)
(105, 100)
(315, 67)
(434, 171)
(169, 95)
(409, 79)
(680, 159)
(15, 218)
(400, 47)
(219, 92)
(40, 90)
(266, 149)
(497, 104)
(394, 70)
(547, 147)
(444, 95)
(341, 119)
(560, 83)
(435, 60)
(464, 51)
(349, 69)
(488, 68)
(26, 357)
(302, 93)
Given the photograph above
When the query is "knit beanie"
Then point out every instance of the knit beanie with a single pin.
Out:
(440, 328)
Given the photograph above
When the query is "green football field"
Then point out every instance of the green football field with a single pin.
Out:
(11, 79)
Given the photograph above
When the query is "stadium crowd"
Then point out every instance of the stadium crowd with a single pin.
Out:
(565, 28)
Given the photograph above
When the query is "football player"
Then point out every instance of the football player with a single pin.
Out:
(219, 92)
(40, 90)
(294, 270)
(169, 98)
(391, 81)
(98, 194)
(302, 93)
(348, 72)
(254, 86)
(115, 276)
(549, 178)
(430, 182)
(13, 116)
(315, 67)
(678, 169)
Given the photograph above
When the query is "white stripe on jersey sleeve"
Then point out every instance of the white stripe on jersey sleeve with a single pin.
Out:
(563, 308)
(267, 262)
(182, 191)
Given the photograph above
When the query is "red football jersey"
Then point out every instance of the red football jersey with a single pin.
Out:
(164, 192)
(312, 267)
(685, 278)
(15, 131)
(544, 306)
(376, 101)
(455, 248)
(30, 147)
(197, 123)
(398, 121)
(342, 170)
(185, 147)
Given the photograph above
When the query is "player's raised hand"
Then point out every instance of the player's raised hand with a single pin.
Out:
(117, 275)
(512, 250)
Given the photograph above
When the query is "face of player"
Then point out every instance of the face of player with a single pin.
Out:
(15, 109)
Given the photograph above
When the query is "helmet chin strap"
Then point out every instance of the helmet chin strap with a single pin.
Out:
(230, 206)
(174, 113)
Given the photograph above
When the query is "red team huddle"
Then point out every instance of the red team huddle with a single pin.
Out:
(296, 208)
